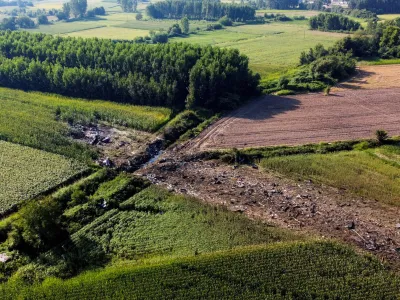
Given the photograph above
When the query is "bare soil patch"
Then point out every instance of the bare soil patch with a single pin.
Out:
(300, 205)
(354, 110)
(116, 145)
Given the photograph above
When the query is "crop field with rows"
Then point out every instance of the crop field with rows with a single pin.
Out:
(312, 270)
(155, 222)
(27, 172)
(40, 121)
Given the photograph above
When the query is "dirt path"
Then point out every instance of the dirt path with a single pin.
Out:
(292, 204)
(354, 110)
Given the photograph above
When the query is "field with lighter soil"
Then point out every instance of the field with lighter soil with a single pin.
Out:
(354, 110)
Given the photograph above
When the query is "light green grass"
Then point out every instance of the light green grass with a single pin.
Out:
(31, 119)
(157, 223)
(68, 27)
(272, 48)
(313, 270)
(388, 17)
(110, 33)
(380, 61)
(27, 172)
(373, 173)
(289, 13)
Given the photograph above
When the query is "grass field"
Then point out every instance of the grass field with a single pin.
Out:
(372, 173)
(289, 13)
(313, 270)
(33, 119)
(27, 172)
(272, 48)
(388, 17)
(156, 223)
(110, 33)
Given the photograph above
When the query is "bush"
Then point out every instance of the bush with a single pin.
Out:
(327, 90)
(61, 16)
(333, 22)
(99, 11)
(25, 22)
(225, 21)
(381, 136)
(299, 18)
(211, 27)
(42, 20)
(159, 37)
(139, 16)
(174, 30)
(39, 228)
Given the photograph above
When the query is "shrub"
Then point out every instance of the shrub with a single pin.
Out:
(327, 90)
(174, 30)
(211, 27)
(225, 21)
(299, 18)
(25, 22)
(139, 16)
(381, 136)
(61, 16)
(42, 20)
(333, 22)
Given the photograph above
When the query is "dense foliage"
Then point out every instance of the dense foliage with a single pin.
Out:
(278, 4)
(379, 6)
(313, 270)
(194, 9)
(356, 13)
(170, 75)
(333, 22)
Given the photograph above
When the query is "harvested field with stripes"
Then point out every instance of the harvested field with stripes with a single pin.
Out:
(353, 110)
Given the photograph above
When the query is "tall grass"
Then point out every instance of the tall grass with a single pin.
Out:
(372, 173)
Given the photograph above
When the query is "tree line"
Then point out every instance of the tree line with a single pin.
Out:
(172, 75)
(379, 6)
(200, 10)
(333, 22)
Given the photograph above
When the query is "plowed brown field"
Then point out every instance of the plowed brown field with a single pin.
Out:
(355, 109)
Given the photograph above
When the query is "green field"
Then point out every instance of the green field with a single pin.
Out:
(39, 120)
(313, 270)
(26, 173)
(156, 223)
(110, 33)
(272, 48)
(372, 173)
(289, 13)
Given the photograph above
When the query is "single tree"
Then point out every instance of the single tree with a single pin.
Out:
(42, 20)
(78, 8)
(185, 25)
(66, 10)
(139, 16)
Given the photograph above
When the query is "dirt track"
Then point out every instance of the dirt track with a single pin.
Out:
(355, 109)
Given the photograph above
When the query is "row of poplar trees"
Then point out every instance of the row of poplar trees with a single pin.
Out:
(199, 10)
(172, 75)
